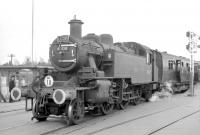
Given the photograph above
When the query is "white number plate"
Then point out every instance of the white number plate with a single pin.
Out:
(48, 81)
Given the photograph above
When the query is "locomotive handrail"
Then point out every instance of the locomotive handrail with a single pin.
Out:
(98, 78)
(69, 45)
(74, 60)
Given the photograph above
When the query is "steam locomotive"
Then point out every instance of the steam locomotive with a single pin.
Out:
(93, 74)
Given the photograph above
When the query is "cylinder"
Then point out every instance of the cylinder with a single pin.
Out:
(76, 28)
(99, 94)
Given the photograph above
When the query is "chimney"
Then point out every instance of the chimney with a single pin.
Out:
(76, 28)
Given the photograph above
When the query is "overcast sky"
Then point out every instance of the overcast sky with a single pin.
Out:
(158, 24)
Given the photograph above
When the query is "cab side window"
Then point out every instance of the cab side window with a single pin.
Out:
(149, 58)
(170, 64)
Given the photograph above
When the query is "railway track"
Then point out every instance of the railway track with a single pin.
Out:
(13, 110)
(90, 122)
(132, 120)
(152, 132)
(174, 122)
(23, 124)
(15, 126)
(12, 107)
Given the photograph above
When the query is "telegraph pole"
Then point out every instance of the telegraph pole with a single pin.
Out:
(32, 31)
(11, 59)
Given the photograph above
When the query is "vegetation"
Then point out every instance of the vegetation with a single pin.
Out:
(27, 62)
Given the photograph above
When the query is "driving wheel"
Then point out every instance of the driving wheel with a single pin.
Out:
(107, 107)
(76, 111)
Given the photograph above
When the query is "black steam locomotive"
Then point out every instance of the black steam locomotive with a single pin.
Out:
(94, 74)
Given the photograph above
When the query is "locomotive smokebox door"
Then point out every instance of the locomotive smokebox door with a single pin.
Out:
(100, 93)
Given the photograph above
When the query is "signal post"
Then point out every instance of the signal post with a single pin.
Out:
(192, 48)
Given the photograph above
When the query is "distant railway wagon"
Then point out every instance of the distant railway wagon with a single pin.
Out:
(197, 71)
(23, 81)
(93, 74)
(176, 70)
